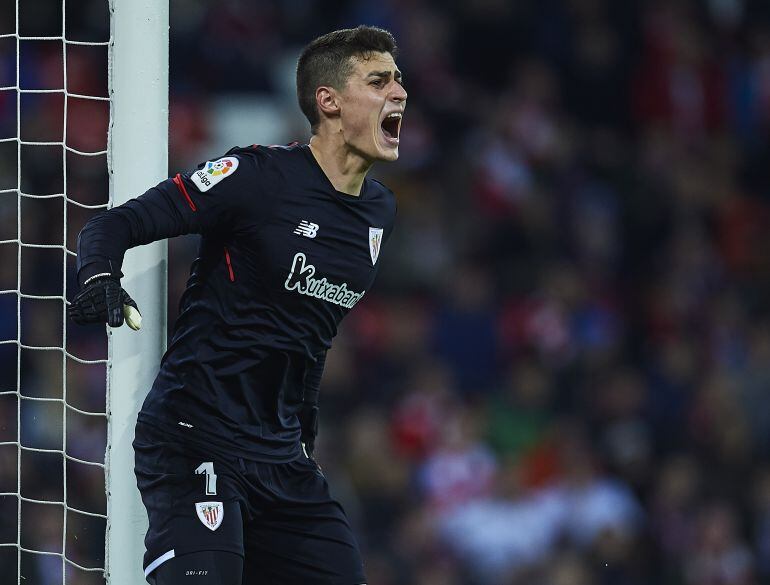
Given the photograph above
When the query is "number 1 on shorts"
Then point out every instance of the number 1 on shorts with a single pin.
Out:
(207, 468)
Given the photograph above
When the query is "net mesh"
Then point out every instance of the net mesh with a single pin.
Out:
(52, 375)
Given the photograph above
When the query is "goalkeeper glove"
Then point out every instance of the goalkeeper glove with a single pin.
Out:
(103, 300)
(308, 420)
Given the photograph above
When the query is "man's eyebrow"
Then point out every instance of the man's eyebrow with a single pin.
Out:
(384, 74)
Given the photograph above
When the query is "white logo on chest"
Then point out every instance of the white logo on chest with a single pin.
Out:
(307, 229)
(301, 279)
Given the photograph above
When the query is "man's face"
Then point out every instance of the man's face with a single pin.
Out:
(371, 105)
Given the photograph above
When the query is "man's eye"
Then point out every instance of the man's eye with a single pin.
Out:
(377, 82)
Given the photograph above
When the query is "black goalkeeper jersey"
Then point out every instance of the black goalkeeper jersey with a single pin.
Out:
(283, 258)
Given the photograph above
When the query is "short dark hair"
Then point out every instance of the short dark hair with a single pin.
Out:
(326, 61)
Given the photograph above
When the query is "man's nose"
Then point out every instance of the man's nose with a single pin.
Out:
(399, 93)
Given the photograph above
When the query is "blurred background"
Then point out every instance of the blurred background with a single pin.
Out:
(562, 375)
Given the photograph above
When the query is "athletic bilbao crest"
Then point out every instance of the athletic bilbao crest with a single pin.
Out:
(375, 241)
(210, 513)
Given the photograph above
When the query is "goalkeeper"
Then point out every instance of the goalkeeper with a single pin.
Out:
(291, 238)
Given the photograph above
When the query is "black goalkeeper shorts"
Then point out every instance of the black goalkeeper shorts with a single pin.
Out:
(278, 516)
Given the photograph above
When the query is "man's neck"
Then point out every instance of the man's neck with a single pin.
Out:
(345, 170)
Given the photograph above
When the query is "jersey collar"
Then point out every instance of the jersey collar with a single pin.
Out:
(346, 197)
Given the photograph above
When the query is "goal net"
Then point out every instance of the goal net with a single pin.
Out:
(83, 127)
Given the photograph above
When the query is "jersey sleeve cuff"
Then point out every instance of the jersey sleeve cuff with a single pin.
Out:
(97, 267)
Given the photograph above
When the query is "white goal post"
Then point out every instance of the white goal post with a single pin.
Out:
(137, 159)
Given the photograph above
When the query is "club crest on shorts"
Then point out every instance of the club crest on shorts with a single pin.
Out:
(375, 241)
(210, 513)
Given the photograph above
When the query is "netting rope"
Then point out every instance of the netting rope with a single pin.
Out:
(20, 295)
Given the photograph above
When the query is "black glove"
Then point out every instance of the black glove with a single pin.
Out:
(102, 300)
(308, 421)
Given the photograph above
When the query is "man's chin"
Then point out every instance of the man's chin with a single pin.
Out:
(390, 155)
(387, 152)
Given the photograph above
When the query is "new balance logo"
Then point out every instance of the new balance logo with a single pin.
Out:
(307, 229)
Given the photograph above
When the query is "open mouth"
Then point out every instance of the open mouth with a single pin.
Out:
(391, 126)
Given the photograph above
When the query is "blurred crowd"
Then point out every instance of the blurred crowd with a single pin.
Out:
(562, 374)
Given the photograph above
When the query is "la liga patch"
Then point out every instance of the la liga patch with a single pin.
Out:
(213, 172)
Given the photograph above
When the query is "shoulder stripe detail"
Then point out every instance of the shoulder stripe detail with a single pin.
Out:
(182, 189)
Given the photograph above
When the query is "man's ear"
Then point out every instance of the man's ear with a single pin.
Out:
(327, 100)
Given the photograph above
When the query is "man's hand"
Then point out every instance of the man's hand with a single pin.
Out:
(102, 300)
(308, 421)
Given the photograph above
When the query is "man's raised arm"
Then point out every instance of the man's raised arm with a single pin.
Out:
(203, 201)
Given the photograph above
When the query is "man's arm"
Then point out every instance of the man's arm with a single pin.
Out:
(174, 207)
(185, 204)
(308, 416)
